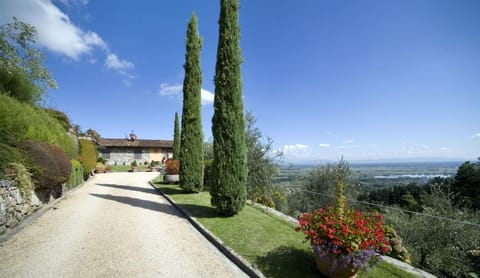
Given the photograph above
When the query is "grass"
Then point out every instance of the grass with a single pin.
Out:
(266, 241)
(127, 168)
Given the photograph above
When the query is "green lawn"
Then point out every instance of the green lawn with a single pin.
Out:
(126, 168)
(268, 242)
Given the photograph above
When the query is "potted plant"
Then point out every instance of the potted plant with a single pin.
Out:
(134, 166)
(344, 240)
(172, 167)
(100, 168)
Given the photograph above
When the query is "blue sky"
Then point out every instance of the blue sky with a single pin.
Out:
(365, 80)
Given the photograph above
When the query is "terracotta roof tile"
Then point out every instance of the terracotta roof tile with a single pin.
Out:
(113, 142)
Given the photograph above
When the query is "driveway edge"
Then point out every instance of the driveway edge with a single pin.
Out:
(243, 264)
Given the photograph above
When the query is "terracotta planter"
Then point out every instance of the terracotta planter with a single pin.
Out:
(325, 263)
(134, 168)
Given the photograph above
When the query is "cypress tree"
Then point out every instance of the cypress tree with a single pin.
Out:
(176, 138)
(191, 153)
(229, 169)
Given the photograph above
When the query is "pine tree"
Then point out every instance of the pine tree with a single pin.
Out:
(176, 138)
(191, 153)
(229, 171)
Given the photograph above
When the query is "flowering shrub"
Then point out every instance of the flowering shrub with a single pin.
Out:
(172, 166)
(351, 236)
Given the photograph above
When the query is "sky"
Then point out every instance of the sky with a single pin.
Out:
(365, 80)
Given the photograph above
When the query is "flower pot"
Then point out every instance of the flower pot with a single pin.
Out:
(171, 178)
(134, 168)
(325, 265)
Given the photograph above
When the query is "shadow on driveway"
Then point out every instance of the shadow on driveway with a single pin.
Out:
(139, 203)
(129, 187)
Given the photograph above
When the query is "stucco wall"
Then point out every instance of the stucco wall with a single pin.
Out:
(124, 156)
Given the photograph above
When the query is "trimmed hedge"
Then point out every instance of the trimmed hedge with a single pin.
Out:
(88, 156)
(51, 167)
(22, 122)
(76, 177)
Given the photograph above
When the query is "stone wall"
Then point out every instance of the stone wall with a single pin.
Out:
(13, 208)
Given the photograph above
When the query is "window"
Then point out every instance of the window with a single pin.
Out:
(106, 154)
(137, 154)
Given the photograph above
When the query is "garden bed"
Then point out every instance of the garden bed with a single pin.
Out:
(266, 241)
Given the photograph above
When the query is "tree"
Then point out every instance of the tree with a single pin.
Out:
(467, 184)
(262, 163)
(191, 153)
(176, 138)
(229, 169)
(20, 62)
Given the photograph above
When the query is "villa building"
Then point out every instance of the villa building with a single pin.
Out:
(124, 151)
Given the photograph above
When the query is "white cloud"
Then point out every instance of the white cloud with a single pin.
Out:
(166, 89)
(73, 2)
(476, 136)
(207, 97)
(295, 150)
(425, 147)
(113, 62)
(169, 90)
(323, 145)
(349, 141)
(58, 34)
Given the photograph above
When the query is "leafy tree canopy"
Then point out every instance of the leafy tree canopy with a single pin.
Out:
(21, 62)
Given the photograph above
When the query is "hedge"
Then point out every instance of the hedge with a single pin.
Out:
(76, 177)
(88, 156)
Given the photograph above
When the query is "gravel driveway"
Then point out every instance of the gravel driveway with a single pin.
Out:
(116, 225)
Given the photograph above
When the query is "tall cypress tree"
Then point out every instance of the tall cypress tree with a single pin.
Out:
(229, 169)
(176, 138)
(191, 153)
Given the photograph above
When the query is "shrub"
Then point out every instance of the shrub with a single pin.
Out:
(172, 166)
(21, 122)
(61, 117)
(51, 166)
(9, 154)
(23, 179)
(88, 156)
(76, 177)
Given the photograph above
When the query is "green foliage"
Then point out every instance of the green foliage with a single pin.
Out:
(9, 154)
(322, 180)
(176, 138)
(467, 185)
(76, 177)
(51, 166)
(20, 58)
(207, 173)
(191, 141)
(61, 117)
(21, 122)
(15, 83)
(262, 166)
(436, 244)
(229, 171)
(93, 134)
(23, 179)
(88, 156)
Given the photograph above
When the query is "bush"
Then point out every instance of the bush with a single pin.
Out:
(21, 122)
(9, 154)
(88, 156)
(61, 117)
(23, 179)
(172, 166)
(50, 165)
(76, 177)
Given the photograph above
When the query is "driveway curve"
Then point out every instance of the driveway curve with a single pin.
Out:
(115, 225)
